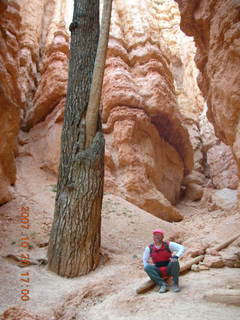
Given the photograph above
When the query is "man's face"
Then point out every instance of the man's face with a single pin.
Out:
(157, 237)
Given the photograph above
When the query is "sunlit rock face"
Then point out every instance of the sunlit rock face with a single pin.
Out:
(148, 150)
(215, 28)
(10, 94)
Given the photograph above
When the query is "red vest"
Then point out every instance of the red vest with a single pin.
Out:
(161, 257)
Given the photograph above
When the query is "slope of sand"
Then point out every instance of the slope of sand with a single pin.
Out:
(109, 292)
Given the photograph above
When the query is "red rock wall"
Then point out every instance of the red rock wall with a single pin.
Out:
(10, 94)
(214, 24)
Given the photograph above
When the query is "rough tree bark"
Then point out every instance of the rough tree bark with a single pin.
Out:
(74, 245)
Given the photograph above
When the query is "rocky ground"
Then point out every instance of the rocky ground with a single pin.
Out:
(109, 292)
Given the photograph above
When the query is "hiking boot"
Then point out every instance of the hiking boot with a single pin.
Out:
(176, 288)
(163, 288)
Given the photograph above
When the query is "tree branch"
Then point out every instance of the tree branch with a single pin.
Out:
(98, 72)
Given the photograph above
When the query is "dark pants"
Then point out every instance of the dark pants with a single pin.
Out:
(153, 272)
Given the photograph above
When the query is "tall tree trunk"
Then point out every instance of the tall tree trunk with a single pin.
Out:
(74, 245)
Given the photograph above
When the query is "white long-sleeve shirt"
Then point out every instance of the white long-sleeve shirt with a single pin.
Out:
(173, 246)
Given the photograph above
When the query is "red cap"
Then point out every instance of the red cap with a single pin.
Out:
(158, 231)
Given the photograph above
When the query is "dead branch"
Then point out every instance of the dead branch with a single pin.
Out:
(187, 265)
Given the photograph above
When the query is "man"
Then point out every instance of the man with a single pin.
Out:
(164, 256)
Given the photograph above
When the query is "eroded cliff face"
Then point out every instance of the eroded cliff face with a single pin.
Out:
(215, 28)
(10, 94)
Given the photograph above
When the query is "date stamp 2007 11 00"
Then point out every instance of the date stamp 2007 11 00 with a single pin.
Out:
(24, 256)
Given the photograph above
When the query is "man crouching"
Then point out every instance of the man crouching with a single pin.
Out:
(165, 264)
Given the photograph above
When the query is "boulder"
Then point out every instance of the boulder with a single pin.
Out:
(213, 261)
(194, 191)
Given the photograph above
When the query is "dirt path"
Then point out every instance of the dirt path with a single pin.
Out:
(110, 291)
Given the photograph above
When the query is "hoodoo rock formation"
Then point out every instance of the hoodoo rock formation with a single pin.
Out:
(150, 102)
(148, 151)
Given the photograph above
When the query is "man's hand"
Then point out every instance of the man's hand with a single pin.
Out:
(174, 259)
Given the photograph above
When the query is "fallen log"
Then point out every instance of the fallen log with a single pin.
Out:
(225, 243)
(149, 284)
(146, 286)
